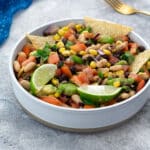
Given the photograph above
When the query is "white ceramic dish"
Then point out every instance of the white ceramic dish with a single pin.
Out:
(76, 119)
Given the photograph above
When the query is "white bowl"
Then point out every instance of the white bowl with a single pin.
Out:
(76, 119)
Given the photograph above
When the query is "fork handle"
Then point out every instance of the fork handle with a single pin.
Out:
(143, 12)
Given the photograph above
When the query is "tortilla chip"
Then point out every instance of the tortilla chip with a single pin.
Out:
(39, 42)
(140, 60)
(106, 27)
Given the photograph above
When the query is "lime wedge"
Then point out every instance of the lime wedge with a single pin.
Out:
(42, 76)
(98, 93)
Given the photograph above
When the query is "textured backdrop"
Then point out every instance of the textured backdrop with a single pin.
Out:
(19, 132)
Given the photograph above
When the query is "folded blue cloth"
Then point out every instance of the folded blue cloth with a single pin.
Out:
(7, 9)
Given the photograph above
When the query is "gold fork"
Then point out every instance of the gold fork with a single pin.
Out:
(124, 8)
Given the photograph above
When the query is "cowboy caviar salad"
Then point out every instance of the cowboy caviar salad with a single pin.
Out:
(83, 65)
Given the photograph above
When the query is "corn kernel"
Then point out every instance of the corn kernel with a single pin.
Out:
(66, 53)
(116, 84)
(61, 50)
(56, 37)
(106, 74)
(93, 64)
(93, 52)
(55, 81)
(82, 53)
(110, 74)
(118, 42)
(120, 73)
(65, 28)
(61, 32)
(60, 44)
(72, 52)
(57, 94)
(108, 64)
(148, 65)
(107, 52)
(78, 27)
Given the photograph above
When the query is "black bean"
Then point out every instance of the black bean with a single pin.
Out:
(127, 74)
(141, 48)
(60, 64)
(64, 40)
(90, 58)
(62, 78)
(73, 69)
(118, 54)
(62, 58)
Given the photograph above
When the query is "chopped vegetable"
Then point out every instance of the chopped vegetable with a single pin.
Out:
(77, 59)
(43, 54)
(67, 89)
(83, 65)
(128, 57)
(53, 58)
(78, 47)
(68, 44)
(106, 39)
(65, 69)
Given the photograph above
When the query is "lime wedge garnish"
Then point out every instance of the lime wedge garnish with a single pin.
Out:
(42, 76)
(98, 93)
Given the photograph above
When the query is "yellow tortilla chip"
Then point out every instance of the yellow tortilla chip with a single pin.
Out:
(39, 41)
(140, 60)
(106, 27)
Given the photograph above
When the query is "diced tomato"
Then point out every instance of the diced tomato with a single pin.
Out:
(76, 80)
(88, 106)
(133, 48)
(83, 78)
(69, 33)
(140, 85)
(136, 77)
(52, 100)
(72, 38)
(53, 58)
(79, 47)
(27, 48)
(65, 70)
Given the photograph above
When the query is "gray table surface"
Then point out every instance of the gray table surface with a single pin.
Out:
(18, 131)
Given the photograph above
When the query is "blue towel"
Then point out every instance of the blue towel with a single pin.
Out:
(7, 9)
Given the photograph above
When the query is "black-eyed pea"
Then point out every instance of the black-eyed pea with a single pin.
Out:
(101, 63)
(132, 93)
(30, 66)
(105, 46)
(25, 84)
(121, 46)
(124, 95)
(16, 66)
(76, 98)
(104, 81)
(95, 78)
(144, 75)
(116, 67)
(20, 72)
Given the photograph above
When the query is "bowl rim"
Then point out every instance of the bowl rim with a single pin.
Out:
(14, 79)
